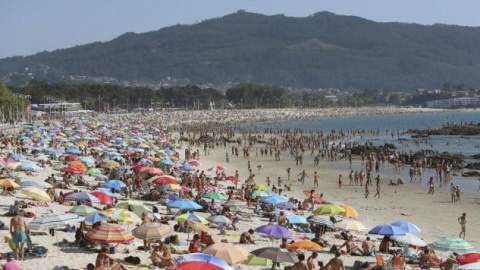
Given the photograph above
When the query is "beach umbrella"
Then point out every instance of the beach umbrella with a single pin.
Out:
(259, 193)
(458, 245)
(36, 194)
(316, 196)
(102, 197)
(163, 180)
(71, 169)
(135, 206)
(275, 254)
(100, 176)
(87, 160)
(18, 157)
(253, 260)
(215, 196)
(217, 169)
(205, 258)
(410, 239)
(387, 230)
(182, 204)
(294, 219)
(197, 226)
(82, 197)
(93, 171)
(233, 178)
(320, 221)
(152, 231)
(305, 245)
(94, 217)
(73, 151)
(184, 167)
(77, 164)
(274, 230)
(329, 209)
(109, 233)
(351, 225)
(7, 160)
(151, 170)
(274, 199)
(52, 221)
(18, 175)
(195, 163)
(117, 185)
(171, 187)
(121, 216)
(407, 226)
(235, 204)
(7, 183)
(109, 164)
(260, 187)
(82, 210)
(230, 253)
(167, 161)
(198, 266)
(106, 191)
(349, 211)
(468, 258)
(171, 197)
(191, 216)
(29, 167)
(26, 184)
(470, 266)
(286, 205)
(219, 219)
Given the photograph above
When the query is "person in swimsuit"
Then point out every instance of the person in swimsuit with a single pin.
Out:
(19, 237)
(104, 261)
(310, 263)
(463, 224)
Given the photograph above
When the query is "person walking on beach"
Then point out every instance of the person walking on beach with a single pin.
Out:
(340, 181)
(315, 180)
(463, 225)
(19, 237)
(431, 186)
(288, 173)
(302, 177)
(378, 186)
(366, 191)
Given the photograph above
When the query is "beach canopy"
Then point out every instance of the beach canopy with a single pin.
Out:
(320, 221)
(294, 219)
(82, 210)
(202, 257)
(329, 209)
(82, 197)
(109, 233)
(275, 254)
(387, 230)
(121, 216)
(351, 225)
(135, 206)
(458, 245)
(191, 216)
(410, 239)
(407, 226)
(52, 221)
(274, 230)
(152, 231)
(36, 194)
(305, 245)
(230, 253)
(182, 204)
(220, 220)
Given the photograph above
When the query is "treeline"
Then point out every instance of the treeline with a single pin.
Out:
(251, 95)
(366, 97)
(12, 105)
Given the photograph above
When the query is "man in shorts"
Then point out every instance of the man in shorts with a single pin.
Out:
(19, 237)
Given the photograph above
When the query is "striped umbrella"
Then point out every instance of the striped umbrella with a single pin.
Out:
(191, 216)
(152, 231)
(36, 194)
(321, 221)
(82, 197)
(351, 225)
(453, 244)
(163, 180)
(82, 210)
(220, 220)
(25, 184)
(52, 221)
(170, 187)
(259, 193)
(121, 216)
(109, 233)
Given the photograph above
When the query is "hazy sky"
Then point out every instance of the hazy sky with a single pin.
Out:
(30, 26)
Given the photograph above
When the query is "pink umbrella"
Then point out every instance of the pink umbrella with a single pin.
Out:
(194, 162)
(217, 168)
(8, 160)
(184, 188)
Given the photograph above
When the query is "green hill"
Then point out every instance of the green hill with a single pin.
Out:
(322, 50)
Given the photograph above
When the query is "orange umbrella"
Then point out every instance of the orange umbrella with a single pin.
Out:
(305, 245)
(349, 211)
(152, 158)
(77, 164)
(151, 170)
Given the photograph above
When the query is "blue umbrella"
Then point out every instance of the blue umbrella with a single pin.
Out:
(94, 218)
(25, 184)
(185, 167)
(118, 158)
(73, 151)
(101, 176)
(170, 197)
(184, 205)
(275, 199)
(87, 160)
(83, 197)
(407, 226)
(138, 150)
(387, 230)
(117, 185)
(166, 161)
(201, 257)
(286, 205)
(55, 153)
(30, 167)
(19, 157)
(294, 219)
(146, 161)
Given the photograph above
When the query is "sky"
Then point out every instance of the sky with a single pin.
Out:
(30, 26)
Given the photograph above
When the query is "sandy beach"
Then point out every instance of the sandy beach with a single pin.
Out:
(434, 214)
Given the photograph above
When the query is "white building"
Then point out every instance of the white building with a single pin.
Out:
(454, 102)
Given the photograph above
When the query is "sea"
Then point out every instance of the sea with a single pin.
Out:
(386, 124)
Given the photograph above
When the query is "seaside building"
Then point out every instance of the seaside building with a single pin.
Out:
(57, 109)
(454, 102)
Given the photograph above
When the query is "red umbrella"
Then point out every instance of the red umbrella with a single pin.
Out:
(71, 169)
(468, 258)
(104, 198)
(71, 158)
(195, 265)
(137, 168)
(165, 180)
(151, 170)
(233, 178)
(316, 196)
(70, 193)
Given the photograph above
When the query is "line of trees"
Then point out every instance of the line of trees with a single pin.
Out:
(13, 106)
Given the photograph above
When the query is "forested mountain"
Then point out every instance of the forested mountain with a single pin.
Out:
(322, 50)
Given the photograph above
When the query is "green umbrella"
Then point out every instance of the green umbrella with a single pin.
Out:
(257, 261)
(59, 167)
(135, 206)
(215, 196)
(260, 193)
(329, 209)
(93, 170)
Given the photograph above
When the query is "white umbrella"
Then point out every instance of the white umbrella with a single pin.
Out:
(410, 239)
(351, 225)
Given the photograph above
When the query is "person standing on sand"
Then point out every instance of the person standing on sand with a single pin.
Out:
(378, 186)
(288, 173)
(19, 237)
(315, 180)
(366, 191)
(431, 186)
(340, 181)
(302, 177)
(463, 225)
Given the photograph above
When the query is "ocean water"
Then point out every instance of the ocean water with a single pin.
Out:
(466, 145)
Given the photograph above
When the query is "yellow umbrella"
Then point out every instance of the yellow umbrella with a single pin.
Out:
(36, 194)
(197, 226)
(110, 165)
(8, 183)
(349, 211)
(260, 187)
